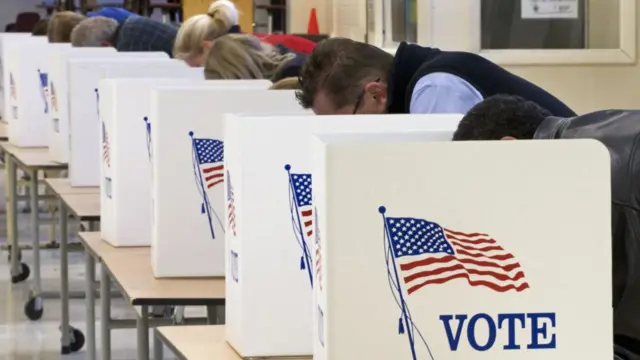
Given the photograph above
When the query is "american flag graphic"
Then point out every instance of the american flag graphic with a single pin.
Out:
(208, 170)
(318, 252)
(301, 209)
(44, 89)
(106, 156)
(210, 155)
(12, 87)
(429, 254)
(54, 99)
(231, 207)
(301, 184)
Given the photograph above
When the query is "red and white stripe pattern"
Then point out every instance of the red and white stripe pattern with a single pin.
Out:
(318, 256)
(231, 207)
(106, 157)
(429, 254)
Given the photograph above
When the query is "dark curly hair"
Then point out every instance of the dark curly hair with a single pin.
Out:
(499, 116)
(340, 67)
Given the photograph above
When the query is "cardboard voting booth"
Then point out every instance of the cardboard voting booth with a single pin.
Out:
(126, 203)
(27, 101)
(84, 118)
(465, 250)
(189, 175)
(271, 223)
(6, 38)
(59, 91)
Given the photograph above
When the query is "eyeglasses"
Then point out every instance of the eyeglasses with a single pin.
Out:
(360, 98)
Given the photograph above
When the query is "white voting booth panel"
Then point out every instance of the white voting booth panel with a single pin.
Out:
(26, 105)
(84, 117)
(126, 203)
(270, 216)
(463, 250)
(188, 172)
(6, 38)
(59, 91)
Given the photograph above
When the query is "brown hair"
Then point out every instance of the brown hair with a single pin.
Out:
(61, 25)
(339, 68)
(40, 28)
(290, 83)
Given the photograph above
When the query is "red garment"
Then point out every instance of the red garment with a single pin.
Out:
(295, 43)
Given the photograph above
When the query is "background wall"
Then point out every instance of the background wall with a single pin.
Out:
(10, 8)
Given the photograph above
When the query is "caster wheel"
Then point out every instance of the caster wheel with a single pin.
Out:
(31, 308)
(77, 341)
(24, 274)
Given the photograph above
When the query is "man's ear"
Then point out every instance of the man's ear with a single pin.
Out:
(206, 44)
(508, 138)
(377, 90)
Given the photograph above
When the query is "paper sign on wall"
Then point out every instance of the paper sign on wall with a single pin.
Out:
(550, 9)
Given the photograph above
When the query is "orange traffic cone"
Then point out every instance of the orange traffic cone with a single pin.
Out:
(313, 28)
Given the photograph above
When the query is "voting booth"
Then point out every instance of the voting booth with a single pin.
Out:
(465, 250)
(27, 87)
(188, 171)
(270, 235)
(59, 91)
(85, 122)
(6, 38)
(124, 107)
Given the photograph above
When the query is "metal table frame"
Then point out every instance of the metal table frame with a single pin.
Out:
(20, 271)
(215, 314)
(67, 336)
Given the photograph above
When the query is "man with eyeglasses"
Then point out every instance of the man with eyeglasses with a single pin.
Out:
(343, 76)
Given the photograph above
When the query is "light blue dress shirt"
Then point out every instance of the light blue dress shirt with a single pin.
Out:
(443, 93)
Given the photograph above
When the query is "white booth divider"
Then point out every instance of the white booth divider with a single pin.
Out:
(125, 205)
(28, 108)
(463, 250)
(268, 160)
(84, 117)
(6, 38)
(188, 173)
(59, 91)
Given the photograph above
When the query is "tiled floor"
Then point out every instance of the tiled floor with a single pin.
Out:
(21, 338)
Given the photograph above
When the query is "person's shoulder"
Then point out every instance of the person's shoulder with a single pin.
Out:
(143, 22)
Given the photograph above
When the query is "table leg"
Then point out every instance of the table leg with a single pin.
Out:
(216, 315)
(157, 346)
(64, 278)
(12, 220)
(37, 285)
(105, 318)
(90, 278)
(142, 327)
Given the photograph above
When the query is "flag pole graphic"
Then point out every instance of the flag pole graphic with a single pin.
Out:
(306, 258)
(408, 324)
(43, 85)
(97, 101)
(205, 199)
(148, 131)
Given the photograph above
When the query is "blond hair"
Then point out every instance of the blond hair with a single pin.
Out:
(221, 16)
(290, 83)
(241, 56)
(61, 25)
